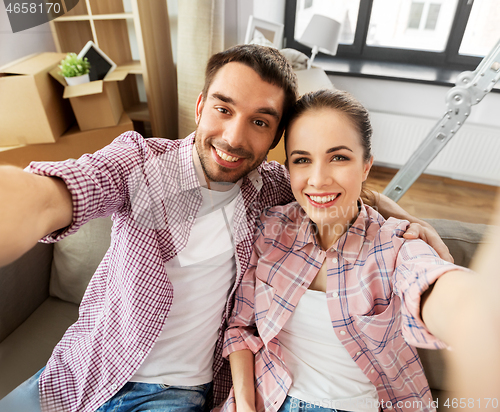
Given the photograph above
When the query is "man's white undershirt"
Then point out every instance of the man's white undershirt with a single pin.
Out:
(202, 275)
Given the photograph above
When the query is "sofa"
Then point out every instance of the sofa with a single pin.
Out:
(40, 293)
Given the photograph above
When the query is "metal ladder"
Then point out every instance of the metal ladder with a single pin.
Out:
(469, 90)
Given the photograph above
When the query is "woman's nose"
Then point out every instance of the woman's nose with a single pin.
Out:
(320, 177)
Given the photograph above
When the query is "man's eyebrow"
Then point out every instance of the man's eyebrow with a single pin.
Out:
(270, 111)
(330, 150)
(264, 110)
(225, 99)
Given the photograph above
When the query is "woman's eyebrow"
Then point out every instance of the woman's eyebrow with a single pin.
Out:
(330, 150)
(337, 148)
(299, 152)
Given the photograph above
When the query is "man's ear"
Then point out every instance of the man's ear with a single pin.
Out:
(199, 108)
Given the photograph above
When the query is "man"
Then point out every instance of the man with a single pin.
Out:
(152, 320)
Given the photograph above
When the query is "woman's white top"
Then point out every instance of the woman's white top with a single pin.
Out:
(323, 373)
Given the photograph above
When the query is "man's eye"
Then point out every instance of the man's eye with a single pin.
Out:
(222, 110)
(260, 123)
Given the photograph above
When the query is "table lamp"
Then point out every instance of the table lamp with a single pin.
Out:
(322, 34)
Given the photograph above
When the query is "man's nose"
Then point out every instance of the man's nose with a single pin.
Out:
(235, 132)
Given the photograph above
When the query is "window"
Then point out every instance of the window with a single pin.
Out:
(413, 25)
(454, 34)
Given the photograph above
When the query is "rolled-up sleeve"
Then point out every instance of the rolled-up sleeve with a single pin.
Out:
(418, 266)
(99, 183)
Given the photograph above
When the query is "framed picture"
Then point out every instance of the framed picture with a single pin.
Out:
(100, 64)
(264, 32)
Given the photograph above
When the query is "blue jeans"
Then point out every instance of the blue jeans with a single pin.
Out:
(135, 397)
(131, 398)
(24, 398)
(296, 405)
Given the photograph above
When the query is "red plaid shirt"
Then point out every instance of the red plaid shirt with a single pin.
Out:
(374, 282)
(150, 188)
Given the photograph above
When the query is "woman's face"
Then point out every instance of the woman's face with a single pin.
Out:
(325, 159)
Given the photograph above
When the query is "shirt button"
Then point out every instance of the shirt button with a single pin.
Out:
(335, 260)
(141, 353)
(359, 353)
(335, 295)
(342, 332)
(190, 218)
(372, 371)
(161, 316)
(114, 386)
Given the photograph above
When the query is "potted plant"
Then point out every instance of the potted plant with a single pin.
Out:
(75, 69)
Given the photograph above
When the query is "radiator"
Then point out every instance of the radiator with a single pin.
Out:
(472, 155)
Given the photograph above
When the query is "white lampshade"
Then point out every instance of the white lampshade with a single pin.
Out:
(322, 32)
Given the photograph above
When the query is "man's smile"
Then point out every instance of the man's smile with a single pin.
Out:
(226, 160)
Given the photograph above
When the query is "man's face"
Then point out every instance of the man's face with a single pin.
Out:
(236, 123)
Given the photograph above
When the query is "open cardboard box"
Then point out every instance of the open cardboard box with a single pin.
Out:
(71, 144)
(32, 109)
(95, 104)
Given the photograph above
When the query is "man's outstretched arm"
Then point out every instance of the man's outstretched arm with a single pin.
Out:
(31, 207)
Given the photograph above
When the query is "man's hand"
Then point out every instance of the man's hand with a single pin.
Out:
(418, 228)
(428, 234)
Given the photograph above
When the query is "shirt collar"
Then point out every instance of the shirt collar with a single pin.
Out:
(187, 173)
(194, 171)
(348, 245)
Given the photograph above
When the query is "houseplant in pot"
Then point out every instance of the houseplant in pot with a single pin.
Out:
(75, 69)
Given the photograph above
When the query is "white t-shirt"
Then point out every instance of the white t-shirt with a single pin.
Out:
(322, 371)
(202, 275)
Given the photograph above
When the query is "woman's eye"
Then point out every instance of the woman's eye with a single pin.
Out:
(339, 158)
(300, 160)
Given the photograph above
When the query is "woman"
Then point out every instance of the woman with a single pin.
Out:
(333, 291)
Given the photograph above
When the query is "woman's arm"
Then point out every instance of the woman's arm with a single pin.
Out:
(242, 371)
(463, 309)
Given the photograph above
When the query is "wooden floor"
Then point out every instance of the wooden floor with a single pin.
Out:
(441, 198)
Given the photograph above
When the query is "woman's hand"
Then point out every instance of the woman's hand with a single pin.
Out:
(242, 371)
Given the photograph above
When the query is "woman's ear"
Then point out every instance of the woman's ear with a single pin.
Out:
(366, 168)
(199, 108)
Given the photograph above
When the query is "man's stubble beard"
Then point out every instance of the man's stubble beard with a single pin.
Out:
(205, 156)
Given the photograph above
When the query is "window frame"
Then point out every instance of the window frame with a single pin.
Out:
(359, 50)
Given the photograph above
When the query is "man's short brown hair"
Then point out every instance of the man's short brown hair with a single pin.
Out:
(269, 64)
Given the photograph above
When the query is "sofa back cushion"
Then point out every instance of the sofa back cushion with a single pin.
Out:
(77, 257)
(461, 238)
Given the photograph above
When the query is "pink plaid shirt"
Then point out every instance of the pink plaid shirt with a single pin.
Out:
(375, 280)
(150, 188)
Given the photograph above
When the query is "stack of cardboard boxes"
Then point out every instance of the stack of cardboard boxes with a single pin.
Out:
(37, 112)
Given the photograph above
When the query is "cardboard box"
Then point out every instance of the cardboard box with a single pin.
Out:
(95, 104)
(32, 108)
(72, 144)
